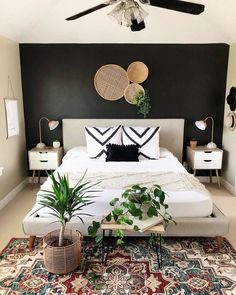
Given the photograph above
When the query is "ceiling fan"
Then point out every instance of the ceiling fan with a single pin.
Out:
(130, 14)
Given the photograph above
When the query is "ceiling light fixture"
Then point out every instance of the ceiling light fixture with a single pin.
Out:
(130, 14)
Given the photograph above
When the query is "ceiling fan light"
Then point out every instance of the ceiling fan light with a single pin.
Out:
(117, 13)
(126, 12)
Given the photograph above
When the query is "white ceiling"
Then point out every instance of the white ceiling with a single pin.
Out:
(43, 21)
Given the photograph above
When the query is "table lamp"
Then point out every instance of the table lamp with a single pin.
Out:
(51, 125)
(202, 125)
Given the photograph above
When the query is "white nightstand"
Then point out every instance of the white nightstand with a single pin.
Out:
(203, 158)
(44, 159)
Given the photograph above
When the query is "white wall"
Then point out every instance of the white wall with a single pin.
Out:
(12, 150)
(229, 137)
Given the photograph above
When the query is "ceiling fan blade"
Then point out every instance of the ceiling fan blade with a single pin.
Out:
(90, 10)
(177, 5)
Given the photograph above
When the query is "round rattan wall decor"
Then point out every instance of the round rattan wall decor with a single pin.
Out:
(110, 82)
(137, 72)
(131, 91)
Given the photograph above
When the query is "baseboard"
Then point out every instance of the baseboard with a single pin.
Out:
(11, 195)
(228, 186)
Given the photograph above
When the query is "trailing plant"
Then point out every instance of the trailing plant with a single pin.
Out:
(142, 100)
(66, 202)
(134, 204)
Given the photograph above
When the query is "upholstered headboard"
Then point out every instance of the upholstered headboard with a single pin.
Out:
(171, 133)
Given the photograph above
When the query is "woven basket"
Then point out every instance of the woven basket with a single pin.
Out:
(62, 260)
(110, 82)
(137, 72)
(131, 91)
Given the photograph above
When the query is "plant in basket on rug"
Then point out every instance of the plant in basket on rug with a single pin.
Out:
(138, 207)
(62, 248)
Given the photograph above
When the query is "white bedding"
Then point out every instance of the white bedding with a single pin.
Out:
(181, 203)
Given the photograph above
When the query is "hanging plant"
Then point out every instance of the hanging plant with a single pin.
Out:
(142, 100)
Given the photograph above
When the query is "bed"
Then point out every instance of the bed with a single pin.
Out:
(190, 204)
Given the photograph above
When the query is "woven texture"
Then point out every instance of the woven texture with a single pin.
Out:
(131, 91)
(61, 260)
(137, 72)
(111, 81)
(190, 267)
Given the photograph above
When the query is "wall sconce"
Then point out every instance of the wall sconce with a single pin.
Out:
(202, 125)
(51, 125)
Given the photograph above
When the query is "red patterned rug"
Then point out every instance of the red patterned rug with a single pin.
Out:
(190, 266)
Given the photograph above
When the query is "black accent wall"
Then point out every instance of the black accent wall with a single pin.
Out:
(185, 81)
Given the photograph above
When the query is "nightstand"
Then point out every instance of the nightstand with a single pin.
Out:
(44, 159)
(203, 158)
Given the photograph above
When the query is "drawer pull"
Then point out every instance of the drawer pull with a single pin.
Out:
(208, 152)
(43, 152)
(43, 161)
(207, 160)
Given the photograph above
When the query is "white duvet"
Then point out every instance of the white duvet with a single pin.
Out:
(187, 203)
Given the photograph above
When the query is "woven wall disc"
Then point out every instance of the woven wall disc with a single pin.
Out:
(137, 72)
(111, 81)
(131, 91)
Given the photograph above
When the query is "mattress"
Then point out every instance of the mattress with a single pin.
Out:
(188, 203)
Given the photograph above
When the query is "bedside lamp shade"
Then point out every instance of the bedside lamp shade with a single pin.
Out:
(51, 125)
(202, 125)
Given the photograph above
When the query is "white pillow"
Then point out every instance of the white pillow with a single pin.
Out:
(98, 137)
(147, 138)
(165, 153)
(76, 152)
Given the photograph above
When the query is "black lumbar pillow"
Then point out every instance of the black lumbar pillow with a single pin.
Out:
(126, 153)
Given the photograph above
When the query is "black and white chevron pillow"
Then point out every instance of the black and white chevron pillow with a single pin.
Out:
(98, 137)
(147, 138)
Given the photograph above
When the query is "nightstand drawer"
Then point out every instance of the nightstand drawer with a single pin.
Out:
(207, 155)
(43, 165)
(207, 163)
(43, 156)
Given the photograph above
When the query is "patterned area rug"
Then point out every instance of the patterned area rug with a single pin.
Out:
(190, 266)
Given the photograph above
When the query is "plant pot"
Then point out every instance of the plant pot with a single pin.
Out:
(144, 208)
(56, 144)
(62, 260)
(193, 144)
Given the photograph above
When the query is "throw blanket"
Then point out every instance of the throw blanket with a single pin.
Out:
(169, 181)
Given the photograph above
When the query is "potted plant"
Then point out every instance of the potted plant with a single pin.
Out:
(137, 203)
(193, 142)
(142, 100)
(56, 144)
(62, 248)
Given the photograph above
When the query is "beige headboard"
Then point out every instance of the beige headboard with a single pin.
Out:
(171, 133)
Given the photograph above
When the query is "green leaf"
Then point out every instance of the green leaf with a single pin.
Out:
(114, 201)
(108, 217)
(162, 198)
(118, 211)
(92, 229)
(119, 233)
(152, 211)
(127, 220)
(98, 239)
(136, 228)
(120, 242)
